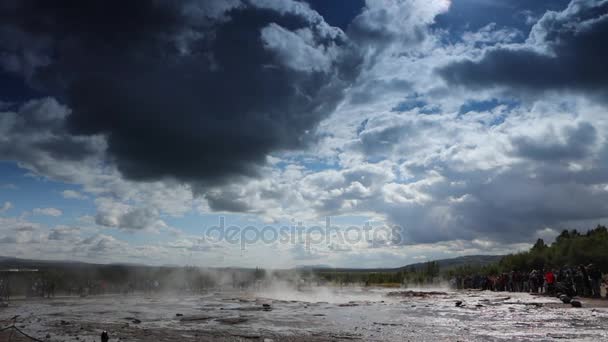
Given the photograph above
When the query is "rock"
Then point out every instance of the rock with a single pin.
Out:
(458, 303)
(136, 321)
(48, 336)
(232, 320)
(415, 293)
(196, 318)
(245, 308)
(248, 336)
(178, 315)
(565, 299)
(267, 307)
(576, 304)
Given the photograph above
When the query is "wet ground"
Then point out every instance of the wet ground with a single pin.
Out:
(313, 315)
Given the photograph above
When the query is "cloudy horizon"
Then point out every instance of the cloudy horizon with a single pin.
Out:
(129, 130)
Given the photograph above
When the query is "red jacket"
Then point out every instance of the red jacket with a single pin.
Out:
(549, 277)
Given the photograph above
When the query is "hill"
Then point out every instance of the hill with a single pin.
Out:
(468, 260)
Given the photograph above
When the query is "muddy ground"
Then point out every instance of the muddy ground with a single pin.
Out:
(314, 315)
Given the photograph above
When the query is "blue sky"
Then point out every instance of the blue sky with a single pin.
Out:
(450, 127)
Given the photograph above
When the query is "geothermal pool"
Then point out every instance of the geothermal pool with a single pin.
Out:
(320, 314)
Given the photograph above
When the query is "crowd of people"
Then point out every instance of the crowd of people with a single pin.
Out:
(4, 293)
(583, 281)
(41, 288)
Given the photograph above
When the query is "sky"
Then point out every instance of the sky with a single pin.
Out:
(283, 133)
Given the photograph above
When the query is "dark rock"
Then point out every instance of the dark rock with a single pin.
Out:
(415, 293)
(576, 304)
(196, 318)
(136, 321)
(178, 315)
(232, 320)
(565, 299)
(458, 303)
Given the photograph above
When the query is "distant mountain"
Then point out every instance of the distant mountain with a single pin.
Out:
(312, 267)
(444, 264)
(468, 260)
(472, 260)
(11, 262)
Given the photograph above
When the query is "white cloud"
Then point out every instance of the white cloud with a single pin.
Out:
(116, 214)
(6, 207)
(48, 212)
(298, 50)
(71, 194)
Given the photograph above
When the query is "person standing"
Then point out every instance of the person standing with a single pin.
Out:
(595, 277)
(587, 282)
(532, 282)
(550, 281)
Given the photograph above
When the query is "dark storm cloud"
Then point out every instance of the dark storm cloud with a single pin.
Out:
(565, 51)
(220, 201)
(198, 91)
(37, 130)
(577, 143)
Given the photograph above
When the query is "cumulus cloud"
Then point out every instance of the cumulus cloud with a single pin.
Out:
(71, 194)
(119, 215)
(211, 87)
(563, 52)
(6, 207)
(47, 211)
(36, 136)
(188, 99)
(384, 22)
(64, 233)
(578, 143)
